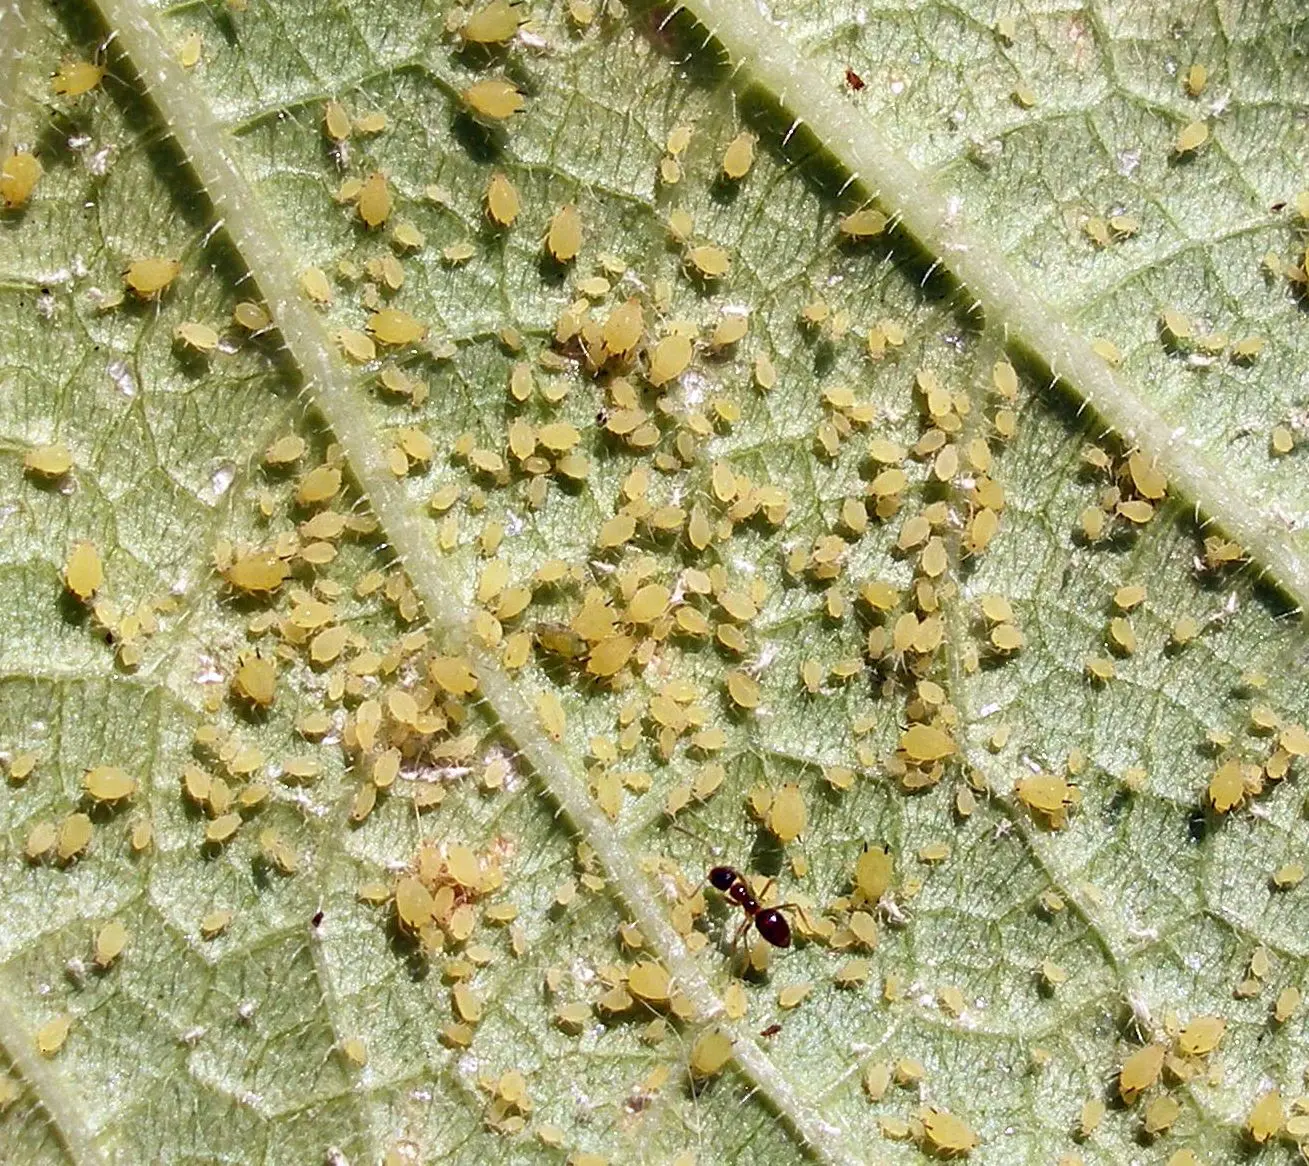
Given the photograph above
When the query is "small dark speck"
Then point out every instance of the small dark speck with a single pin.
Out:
(318, 919)
(771, 1030)
(1197, 825)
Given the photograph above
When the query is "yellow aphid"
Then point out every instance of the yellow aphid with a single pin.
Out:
(946, 1134)
(709, 261)
(1140, 1071)
(1266, 1118)
(494, 24)
(189, 51)
(74, 836)
(76, 77)
(648, 981)
(149, 277)
(787, 816)
(215, 923)
(196, 336)
(22, 766)
(551, 713)
(669, 358)
(256, 573)
(793, 995)
(1047, 795)
(336, 121)
(40, 839)
(622, 330)
(1287, 1004)
(710, 1053)
(743, 690)
(864, 224)
(110, 941)
(19, 175)
(1197, 77)
(495, 98)
(375, 200)
(392, 326)
(222, 828)
(48, 461)
(83, 573)
(739, 156)
(873, 873)
(1226, 787)
(108, 783)
(1201, 1036)
(256, 681)
(564, 238)
(319, 485)
(1160, 1114)
(924, 744)
(51, 1035)
(285, 450)
(313, 281)
(1191, 138)
(502, 202)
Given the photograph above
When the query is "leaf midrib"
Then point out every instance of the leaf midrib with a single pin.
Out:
(759, 57)
(234, 206)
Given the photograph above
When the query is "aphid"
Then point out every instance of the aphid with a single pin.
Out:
(189, 51)
(863, 224)
(1191, 138)
(76, 77)
(74, 836)
(768, 921)
(110, 941)
(502, 201)
(494, 98)
(108, 783)
(739, 156)
(149, 277)
(48, 461)
(710, 1053)
(395, 327)
(1266, 1118)
(19, 175)
(709, 261)
(1140, 1071)
(375, 200)
(51, 1035)
(336, 122)
(564, 238)
(496, 23)
(196, 336)
(946, 1134)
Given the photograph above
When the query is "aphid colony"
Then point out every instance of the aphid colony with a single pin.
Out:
(403, 699)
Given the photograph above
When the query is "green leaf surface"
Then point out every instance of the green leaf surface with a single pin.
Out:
(580, 623)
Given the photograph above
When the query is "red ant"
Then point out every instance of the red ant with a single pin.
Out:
(768, 921)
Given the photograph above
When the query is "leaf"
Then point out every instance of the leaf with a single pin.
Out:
(859, 449)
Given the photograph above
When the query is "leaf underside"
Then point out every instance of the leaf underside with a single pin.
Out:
(610, 616)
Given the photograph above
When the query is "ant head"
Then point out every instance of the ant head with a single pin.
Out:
(722, 877)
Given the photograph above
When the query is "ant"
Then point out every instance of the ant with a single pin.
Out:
(768, 921)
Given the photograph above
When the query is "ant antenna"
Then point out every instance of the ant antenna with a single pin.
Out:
(700, 838)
